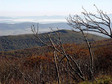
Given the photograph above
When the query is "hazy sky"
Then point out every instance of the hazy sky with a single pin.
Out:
(50, 7)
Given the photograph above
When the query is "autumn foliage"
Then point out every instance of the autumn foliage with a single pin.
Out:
(40, 67)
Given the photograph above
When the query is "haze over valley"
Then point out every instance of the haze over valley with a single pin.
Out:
(22, 24)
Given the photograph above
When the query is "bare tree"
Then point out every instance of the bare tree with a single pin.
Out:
(73, 66)
(99, 23)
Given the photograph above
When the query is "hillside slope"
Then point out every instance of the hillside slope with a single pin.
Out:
(28, 41)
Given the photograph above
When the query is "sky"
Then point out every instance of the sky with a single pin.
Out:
(51, 7)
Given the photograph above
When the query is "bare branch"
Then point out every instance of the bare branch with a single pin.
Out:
(91, 22)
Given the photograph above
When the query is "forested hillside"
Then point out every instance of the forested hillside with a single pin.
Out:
(29, 41)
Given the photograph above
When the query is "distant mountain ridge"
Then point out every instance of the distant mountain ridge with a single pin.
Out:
(25, 28)
(29, 41)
